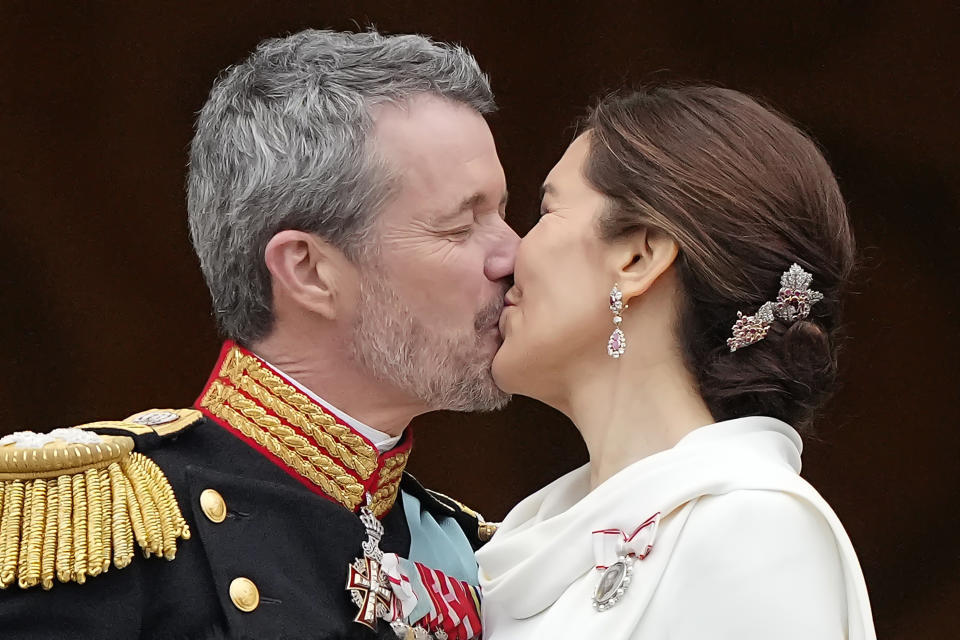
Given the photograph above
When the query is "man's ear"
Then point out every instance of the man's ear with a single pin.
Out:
(641, 259)
(307, 270)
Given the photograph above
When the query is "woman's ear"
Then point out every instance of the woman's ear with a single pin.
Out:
(642, 258)
(306, 270)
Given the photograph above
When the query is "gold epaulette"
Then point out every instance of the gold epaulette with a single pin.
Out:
(72, 502)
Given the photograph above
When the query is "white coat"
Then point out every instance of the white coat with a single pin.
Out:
(743, 549)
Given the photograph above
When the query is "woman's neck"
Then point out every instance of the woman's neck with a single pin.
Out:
(633, 408)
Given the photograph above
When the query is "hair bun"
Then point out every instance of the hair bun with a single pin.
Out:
(809, 361)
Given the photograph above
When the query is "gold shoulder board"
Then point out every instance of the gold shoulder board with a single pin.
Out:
(72, 502)
(162, 422)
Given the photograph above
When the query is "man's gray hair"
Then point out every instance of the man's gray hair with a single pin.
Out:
(283, 142)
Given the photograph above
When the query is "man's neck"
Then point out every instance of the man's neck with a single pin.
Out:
(382, 441)
(332, 373)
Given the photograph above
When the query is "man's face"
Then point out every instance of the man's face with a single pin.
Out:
(431, 296)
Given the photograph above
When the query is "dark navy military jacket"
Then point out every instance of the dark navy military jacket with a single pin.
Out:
(284, 537)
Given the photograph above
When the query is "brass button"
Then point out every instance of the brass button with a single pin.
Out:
(213, 505)
(485, 530)
(244, 594)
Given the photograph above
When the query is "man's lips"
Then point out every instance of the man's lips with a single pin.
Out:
(503, 316)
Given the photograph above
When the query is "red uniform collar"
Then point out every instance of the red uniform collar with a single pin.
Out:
(261, 407)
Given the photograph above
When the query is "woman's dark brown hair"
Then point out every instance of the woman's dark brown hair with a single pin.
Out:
(745, 194)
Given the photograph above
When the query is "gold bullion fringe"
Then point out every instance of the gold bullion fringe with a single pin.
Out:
(76, 525)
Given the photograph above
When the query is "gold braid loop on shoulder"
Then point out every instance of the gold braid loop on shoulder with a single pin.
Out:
(485, 529)
(70, 509)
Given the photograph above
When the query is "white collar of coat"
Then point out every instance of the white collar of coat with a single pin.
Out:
(544, 544)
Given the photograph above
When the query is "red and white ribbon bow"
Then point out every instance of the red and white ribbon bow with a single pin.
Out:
(405, 599)
(609, 545)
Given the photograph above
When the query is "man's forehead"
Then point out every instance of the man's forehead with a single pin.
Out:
(427, 119)
(442, 156)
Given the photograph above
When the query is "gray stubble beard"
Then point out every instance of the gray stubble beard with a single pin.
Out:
(445, 371)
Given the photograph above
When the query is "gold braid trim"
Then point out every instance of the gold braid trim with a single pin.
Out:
(218, 401)
(384, 500)
(392, 471)
(390, 476)
(66, 510)
(363, 466)
(251, 420)
(394, 466)
(251, 399)
(317, 421)
(292, 440)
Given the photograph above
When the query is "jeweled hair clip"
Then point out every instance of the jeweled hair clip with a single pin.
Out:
(793, 303)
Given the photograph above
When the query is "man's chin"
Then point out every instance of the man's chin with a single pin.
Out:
(493, 334)
(494, 397)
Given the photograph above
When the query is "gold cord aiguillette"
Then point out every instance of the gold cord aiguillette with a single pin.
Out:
(69, 509)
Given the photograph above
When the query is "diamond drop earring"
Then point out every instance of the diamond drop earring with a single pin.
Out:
(617, 343)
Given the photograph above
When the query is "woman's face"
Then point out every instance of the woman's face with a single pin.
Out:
(557, 315)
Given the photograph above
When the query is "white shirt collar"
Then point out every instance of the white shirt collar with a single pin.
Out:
(382, 441)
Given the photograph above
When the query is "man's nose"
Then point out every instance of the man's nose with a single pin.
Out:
(500, 259)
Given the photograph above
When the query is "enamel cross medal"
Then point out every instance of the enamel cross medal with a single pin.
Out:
(366, 581)
(369, 584)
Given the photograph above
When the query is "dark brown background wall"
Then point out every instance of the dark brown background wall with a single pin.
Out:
(104, 311)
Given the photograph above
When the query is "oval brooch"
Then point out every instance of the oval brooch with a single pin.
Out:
(613, 583)
(615, 552)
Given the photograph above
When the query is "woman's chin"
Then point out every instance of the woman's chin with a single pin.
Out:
(506, 372)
